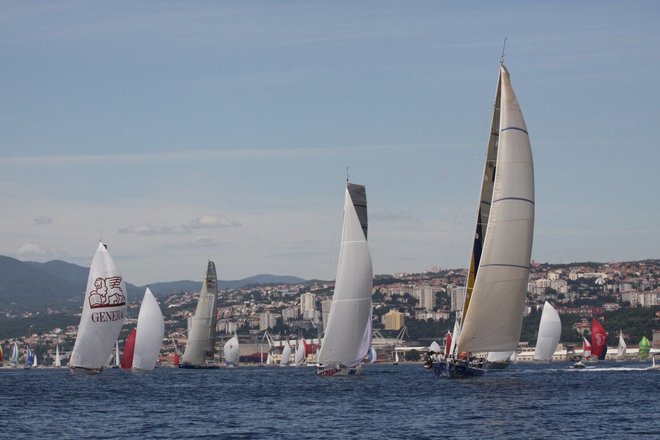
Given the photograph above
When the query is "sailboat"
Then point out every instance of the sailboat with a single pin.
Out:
(501, 252)
(348, 333)
(621, 349)
(644, 347)
(13, 360)
(286, 354)
(269, 359)
(1, 356)
(129, 351)
(58, 359)
(150, 332)
(396, 357)
(35, 363)
(435, 348)
(117, 358)
(200, 348)
(549, 334)
(598, 340)
(301, 353)
(232, 352)
(29, 359)
(373, 356)
(102, 316)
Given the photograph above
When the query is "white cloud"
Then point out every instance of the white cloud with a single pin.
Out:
(203, 221)
(43, 220)
(32, 250)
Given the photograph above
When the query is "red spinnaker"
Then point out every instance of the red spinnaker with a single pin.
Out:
(447, 344)
(127, 355)
(598, 340)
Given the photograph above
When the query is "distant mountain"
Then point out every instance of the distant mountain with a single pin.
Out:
(30, 285)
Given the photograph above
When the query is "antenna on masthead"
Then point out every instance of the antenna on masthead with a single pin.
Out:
(503, 47)
(347, 176)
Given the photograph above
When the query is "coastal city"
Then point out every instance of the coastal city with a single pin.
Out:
(410, 311)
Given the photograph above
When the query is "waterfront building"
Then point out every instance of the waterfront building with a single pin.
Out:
(393, 320)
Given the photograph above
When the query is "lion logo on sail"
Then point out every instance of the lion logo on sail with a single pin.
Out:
(107, 293)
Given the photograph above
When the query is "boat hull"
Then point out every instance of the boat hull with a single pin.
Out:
(337, 371)
(82, 371)
(498, 365)
(198, 367)
(456, 369)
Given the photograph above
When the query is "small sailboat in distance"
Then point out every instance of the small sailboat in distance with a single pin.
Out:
(621, 349)
(129, 351)
(348, 333)
(102, 317)
(150, 332)
(501, 250)
(200, 348)
(58, 359)
(29, 359)
(13, 360)
(598, 340)
(644, 347)
(549, 333)
(232, 352)
(301, 353)
(286, 354)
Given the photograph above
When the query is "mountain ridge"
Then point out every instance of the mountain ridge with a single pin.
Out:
(56, 283)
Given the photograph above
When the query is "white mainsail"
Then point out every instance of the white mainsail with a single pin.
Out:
(549, 333)
(13, 361)
(286, 354)
(150, 332)
(201, 330)
(621, 349)
(117, 360)
(58, 359)
(301, 354)
(232, 351)
(35, 363)
(454, 336)
(350, 312)
(269, 359)
(103, 313)
(494, 317)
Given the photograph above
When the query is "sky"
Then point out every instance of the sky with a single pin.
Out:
(183, 131)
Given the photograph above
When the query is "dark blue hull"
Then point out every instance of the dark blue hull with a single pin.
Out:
(456, 369)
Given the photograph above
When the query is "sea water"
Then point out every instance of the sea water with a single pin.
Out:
(526, 401)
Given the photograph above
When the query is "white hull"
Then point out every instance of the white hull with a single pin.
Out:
(338, 370)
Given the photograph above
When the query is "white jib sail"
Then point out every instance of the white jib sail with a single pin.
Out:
(232, 351)
(300, 352)
(150, 332)
(103, 313)
(621, 349)
(350, 311)
(499, 356)
(494, 317)
(286, 354)
(435, 347)
(549, 333)
(58, 359)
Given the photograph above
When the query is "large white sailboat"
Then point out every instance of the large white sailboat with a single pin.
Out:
(150, 332)
(501, 253)
(549, 333)
(200, 348)
(104, 310)
(348, 334)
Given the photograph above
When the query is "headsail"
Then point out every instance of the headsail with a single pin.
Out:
(493, 318)
(598, 340)
(129, 351)
(103, 313)
(644, 347)
(549, 333)
(232, 351)
(621, 349)
(350, 312)
(201, 337)
(150, 332)
(286, 354)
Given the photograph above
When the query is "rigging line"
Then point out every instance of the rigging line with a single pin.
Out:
(503, 47)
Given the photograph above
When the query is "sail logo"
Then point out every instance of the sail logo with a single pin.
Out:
(107, 293)
(600, 340)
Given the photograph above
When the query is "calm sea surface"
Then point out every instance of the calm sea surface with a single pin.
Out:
(405, 401)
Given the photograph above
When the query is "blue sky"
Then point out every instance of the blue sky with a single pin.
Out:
(193, 130)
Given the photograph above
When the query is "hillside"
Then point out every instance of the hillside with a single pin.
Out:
(35, 286)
